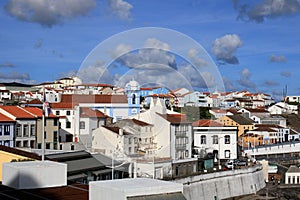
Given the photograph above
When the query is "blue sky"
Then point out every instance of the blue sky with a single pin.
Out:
(254, 46)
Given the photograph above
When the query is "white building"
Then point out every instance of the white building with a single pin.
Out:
(212, 137)
(114, 142)
(292, 176)
(25, 135)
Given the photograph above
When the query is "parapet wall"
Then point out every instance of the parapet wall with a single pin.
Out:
(223, 184)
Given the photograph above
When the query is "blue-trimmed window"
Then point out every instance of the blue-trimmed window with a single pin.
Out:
(6, 129)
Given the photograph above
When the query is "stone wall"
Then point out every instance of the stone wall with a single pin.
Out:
(225, 184)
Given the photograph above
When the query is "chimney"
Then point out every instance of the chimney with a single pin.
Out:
(120, 131)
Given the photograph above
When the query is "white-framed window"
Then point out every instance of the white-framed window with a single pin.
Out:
(203, 139)
(227, 153)
(227, 139)
(82, 125)
(215, 139)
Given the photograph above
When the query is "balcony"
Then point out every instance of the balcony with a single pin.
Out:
(180, 146)
(180, 133)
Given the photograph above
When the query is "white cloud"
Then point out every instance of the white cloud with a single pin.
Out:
(120, 8)
(267, 9)
(225, 47)
(156, 44)
(193, 55)
(48, 12)
(15, 77)
(97, 73)
(278, 59)
(228, 84)
(120, 50)
(245, 79)
(154, 53)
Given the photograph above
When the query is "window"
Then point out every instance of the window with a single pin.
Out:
(45, 135)
(47, 145)
(18, 144)
(68, 112)
(227, 153)
(68, 125)
(0, 130)
(57, 113)
(215, 139)
(203, 139)
(129, 150)
(39, 145)
(32, 129)
(129, 140)
(55, 136)
(6, 129)
(82, 125)
(72, 147)
(227, 139)
(55, 122)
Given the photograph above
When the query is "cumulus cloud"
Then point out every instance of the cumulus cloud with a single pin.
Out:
(153, 54)
(286, 74)
(193, 56)
(267, 9)
(228, 84)
(95, 73)
(278, 59)
(245, 79)
(7, 64)
(225, 47)
(156, 44)
(120, 8)
(14, 76)
(48, 12)
(120, 50)
(186, 76)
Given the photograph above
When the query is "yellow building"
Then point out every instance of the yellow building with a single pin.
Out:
(9, 154)
(243, 124)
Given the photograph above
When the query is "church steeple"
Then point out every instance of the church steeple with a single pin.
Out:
(132, 90)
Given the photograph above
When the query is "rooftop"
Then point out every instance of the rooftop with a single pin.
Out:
(18, 112)
(207, 123)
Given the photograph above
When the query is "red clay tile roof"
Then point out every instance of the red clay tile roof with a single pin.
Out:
(140, 123)
(206, 123)
(175, 118)
(63, 105)
(18, 112)
(162, 95)
(38, 112)
(35, 101)
(80, 98)
(116, 130)
(88, 112)
(4, 118)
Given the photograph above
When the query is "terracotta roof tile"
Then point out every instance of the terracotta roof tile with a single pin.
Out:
(175, 118)
(38, 112)
(207, 123)
(88, 112)
(63, 105)
(4, 118)
(116, 130)
(18, 112)
(80, 98)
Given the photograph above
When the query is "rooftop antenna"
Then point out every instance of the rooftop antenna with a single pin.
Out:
(284, 93)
